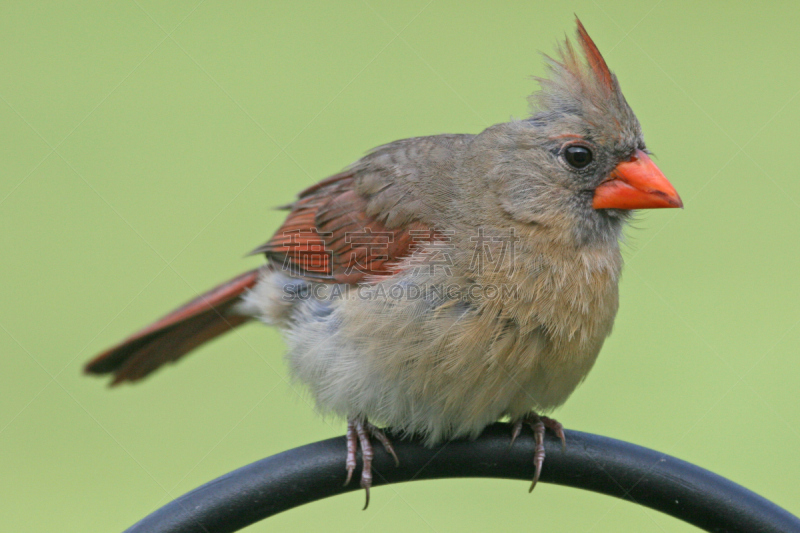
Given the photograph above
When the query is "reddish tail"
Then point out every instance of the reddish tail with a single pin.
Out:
(176, 334)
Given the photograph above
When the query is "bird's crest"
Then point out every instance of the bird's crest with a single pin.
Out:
(579, 84)
(602, 75)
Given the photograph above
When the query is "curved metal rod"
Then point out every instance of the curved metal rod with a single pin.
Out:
(590, 462)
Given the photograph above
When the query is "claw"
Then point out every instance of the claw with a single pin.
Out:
(556, 427)
(366, 501)
(359, 432)
(367, 453)
(387, 444)
(517, 429)
(539, 424)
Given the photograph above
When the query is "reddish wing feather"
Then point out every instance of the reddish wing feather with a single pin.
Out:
(174, 335)
(328, 236)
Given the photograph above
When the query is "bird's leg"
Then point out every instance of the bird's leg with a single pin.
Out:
(359, 432)
(556, 427)
(367, 453)
(352, 446)
(538, 424)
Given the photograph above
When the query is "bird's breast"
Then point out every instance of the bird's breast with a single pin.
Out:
(570, 300)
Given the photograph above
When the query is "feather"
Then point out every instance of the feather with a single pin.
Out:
(329, 237)
(594, 58)
(175, 334)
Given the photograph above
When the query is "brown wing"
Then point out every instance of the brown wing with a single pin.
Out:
(176, 334)
(329, 237)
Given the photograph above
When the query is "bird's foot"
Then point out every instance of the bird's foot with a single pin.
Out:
(538, 424)
(359, 431)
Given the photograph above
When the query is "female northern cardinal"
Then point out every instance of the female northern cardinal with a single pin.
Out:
(441, 283)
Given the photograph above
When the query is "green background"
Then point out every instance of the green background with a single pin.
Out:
(143, 144)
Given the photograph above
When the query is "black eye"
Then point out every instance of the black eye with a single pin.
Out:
(578, 156)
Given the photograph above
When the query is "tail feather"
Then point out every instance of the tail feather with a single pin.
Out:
(176, 334)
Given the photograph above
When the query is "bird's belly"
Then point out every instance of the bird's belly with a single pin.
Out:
(436, 369)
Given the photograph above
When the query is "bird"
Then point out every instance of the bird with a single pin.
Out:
(442, 283)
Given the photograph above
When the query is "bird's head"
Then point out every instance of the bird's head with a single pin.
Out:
(579, 164)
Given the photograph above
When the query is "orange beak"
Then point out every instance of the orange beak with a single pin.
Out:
(636, 184)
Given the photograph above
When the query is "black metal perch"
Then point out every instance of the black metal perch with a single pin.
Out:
(591, 462)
